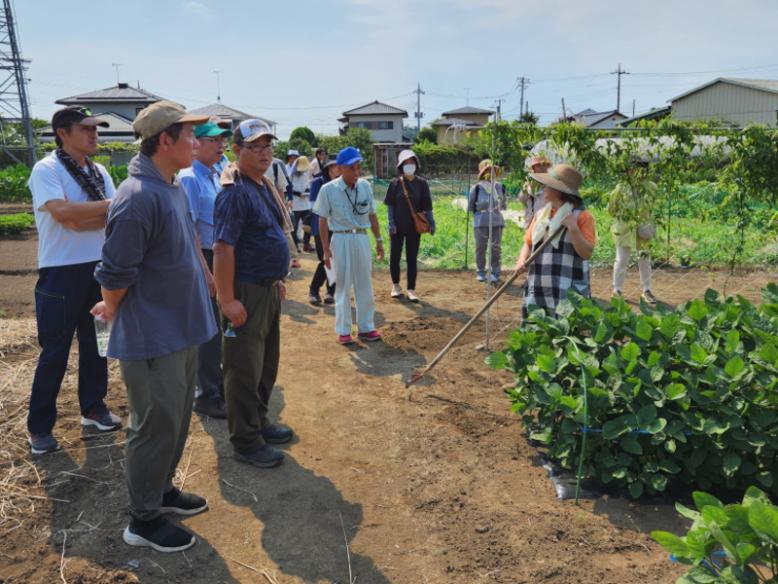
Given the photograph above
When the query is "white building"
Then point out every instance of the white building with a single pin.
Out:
(384, 122)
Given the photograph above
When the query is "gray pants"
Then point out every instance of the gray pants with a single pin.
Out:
(210, 382)
(160, 392)
(481, 242)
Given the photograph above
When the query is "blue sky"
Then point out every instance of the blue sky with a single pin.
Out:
(304, 62)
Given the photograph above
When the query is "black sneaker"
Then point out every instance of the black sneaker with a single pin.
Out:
(159, 534)
(329, 299)
(213, 407)
(649, 297)
(314, 298)
(181, 503)
(101, 418)
(264, 457)
(277, 434)
(42, 443)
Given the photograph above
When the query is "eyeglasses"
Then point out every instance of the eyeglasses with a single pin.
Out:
(257, 148)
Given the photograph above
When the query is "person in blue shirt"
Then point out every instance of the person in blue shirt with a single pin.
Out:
(201, 182)
(346, 207)
(251, 260)
(329, 171)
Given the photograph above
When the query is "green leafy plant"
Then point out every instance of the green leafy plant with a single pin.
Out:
(687, 395)
(16, 223)
(727, 543)
(13, 183)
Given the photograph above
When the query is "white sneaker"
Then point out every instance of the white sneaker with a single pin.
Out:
(396, 291)
(412, 296)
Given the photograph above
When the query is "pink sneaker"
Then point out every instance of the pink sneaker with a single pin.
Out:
(345, 339)
(370, 337)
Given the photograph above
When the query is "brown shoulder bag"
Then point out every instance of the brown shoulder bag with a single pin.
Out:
(420, 221)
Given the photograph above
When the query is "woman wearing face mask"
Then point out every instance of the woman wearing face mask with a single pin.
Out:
(407, 194)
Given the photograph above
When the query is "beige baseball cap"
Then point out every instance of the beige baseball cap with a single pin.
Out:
(160, 115)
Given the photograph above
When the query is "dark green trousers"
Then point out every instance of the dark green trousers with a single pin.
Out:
(160, 393)
(250, 365)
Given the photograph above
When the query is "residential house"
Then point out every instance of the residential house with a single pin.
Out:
(230, 114)
(118, 105)
(383, 121)
(460, 122)
(738, 102)
(599, 120)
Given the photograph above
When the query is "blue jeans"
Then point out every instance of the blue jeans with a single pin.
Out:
(64, 296)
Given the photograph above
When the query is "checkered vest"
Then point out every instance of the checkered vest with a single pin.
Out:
(553, 273)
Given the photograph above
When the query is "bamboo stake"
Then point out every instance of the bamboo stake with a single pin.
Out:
(418, 376)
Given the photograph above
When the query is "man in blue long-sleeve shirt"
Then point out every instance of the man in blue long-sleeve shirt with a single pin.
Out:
(155, 287)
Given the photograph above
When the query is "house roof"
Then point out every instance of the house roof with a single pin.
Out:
(595, 118)
(376, 108)
(587, 112)
(467, 110)
(455, 122)
(768, 85)
(653, 114)
(119, 126)
(120, 92)
(220, 110)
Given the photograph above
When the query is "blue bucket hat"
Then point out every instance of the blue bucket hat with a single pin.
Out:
(348, 156)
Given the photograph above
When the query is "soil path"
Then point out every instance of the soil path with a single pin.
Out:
(442, 489)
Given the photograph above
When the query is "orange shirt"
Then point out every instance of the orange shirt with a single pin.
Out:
(585, 224)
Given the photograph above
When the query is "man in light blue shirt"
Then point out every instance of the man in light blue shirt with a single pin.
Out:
(346, 207)
(201, 182)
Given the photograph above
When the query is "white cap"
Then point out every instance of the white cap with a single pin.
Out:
(251, 130)
(293, 152)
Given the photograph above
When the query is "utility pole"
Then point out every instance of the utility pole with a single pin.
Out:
(467, 96)
(498, 115)
(419, 113)
(116, 66)
(619, 72)
(218, 85)
(633, 108)
(564, 111)
(523, 82)
(14, 104)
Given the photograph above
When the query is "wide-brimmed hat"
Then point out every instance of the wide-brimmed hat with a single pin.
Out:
(562, 177)
(302, 164)
(486, 165)
(407, 155)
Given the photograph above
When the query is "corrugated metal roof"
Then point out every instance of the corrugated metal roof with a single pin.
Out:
(467, 110)
(220, 110)
(121, 92)
(375, 108)
(652, 114)
(593, 119)
(769, 85)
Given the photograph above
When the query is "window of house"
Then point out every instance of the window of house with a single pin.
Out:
(388, 125)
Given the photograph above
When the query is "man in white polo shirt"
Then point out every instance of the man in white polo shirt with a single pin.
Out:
(70, 196)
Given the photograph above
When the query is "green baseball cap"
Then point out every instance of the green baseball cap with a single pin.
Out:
(210, 129)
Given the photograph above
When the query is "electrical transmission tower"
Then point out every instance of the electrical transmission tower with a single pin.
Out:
(14, 105)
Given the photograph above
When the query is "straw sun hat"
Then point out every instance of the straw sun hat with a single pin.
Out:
(562, 177)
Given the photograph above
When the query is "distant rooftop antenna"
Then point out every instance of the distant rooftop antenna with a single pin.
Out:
(116, 66)
(14, 104)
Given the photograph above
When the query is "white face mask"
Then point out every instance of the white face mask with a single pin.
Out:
(409, 169)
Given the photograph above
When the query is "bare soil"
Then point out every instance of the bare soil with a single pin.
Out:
(442, 488)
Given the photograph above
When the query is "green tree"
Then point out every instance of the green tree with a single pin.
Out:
(305, 134)
(529, 118)
(426, 134)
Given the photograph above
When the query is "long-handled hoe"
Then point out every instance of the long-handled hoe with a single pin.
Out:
(418, 376)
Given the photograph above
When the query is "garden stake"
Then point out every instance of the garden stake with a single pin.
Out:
(484, 308)
(583, 434)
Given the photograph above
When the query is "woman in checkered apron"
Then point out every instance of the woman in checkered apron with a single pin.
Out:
(564, 263)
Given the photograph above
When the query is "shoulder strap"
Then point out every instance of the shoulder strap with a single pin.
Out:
(407, 198)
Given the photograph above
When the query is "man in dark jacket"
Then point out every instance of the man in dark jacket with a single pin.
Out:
(251, 259)
(155, 287)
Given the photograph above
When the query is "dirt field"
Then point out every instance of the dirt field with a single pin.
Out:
(441, 489)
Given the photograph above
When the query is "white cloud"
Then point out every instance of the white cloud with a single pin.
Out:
(196, 8)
